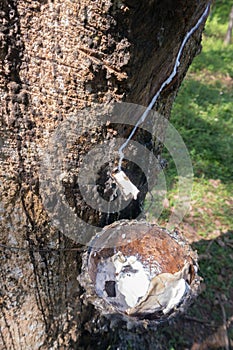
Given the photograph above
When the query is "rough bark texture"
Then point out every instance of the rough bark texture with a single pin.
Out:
(58, 57)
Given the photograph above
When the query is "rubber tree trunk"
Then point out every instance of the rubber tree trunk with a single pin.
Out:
(57, 58)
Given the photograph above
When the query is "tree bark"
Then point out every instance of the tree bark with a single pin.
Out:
(57, 58)
(228, 36)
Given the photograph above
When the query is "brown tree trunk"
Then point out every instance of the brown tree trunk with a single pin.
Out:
(228, 36)
(57, 58)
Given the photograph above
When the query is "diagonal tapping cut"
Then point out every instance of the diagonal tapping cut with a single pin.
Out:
(165, 83)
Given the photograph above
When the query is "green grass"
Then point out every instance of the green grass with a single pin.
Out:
(215, 57)
(203, 116)
(216, 270)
